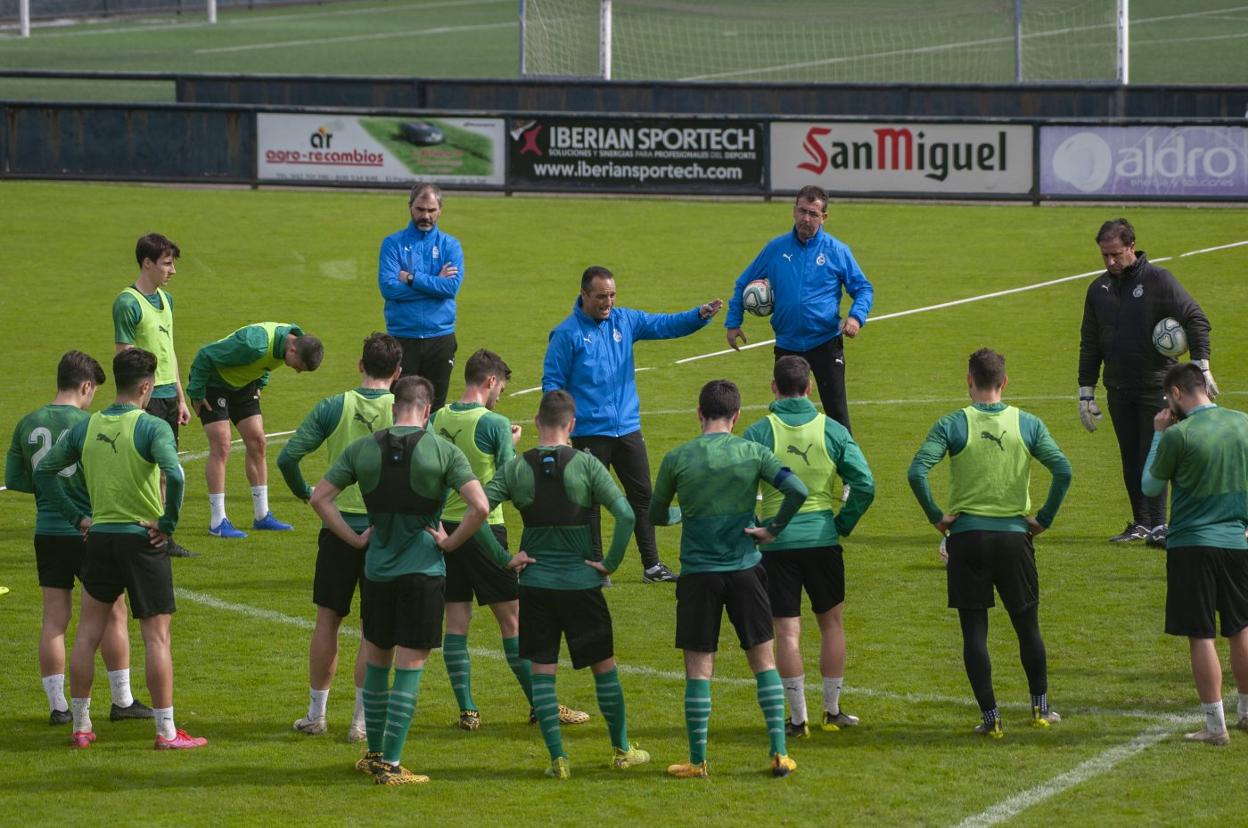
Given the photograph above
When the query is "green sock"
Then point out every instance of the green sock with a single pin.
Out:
(697, 714)
(522, 667)
(611, 703)
(376, 697)
(771, 700)
(547, 706)
(399, 713)
(459, 669)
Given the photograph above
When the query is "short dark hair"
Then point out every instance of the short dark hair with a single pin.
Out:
(812, 193)
(422, 187)
(310, 351)
(792, 376)
(75, 368)
(153, 246)
(1188, 377)
(594, 272)
(382, 354)
(131, 367)
(485, 364)
(413, 391)
(987, 369)
(1118, 228)
(556, 409)
(719, 399)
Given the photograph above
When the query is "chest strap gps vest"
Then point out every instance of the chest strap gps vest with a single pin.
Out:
(551, 505)
(393, 494)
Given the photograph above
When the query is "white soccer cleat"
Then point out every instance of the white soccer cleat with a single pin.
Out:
(312, 727)
(1209, 737)
(357, 733)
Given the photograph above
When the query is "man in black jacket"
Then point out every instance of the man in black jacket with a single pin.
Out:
(1121, 307)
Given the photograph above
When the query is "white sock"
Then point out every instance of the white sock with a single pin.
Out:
(316, 704)
(54, 687)
(82, 715)
(795, 695)
(1243, 704)
(164, 722)
(832, 694)
(1215, 717)
(358, 716)
(216, 502)
(119, 684)
(260, 501)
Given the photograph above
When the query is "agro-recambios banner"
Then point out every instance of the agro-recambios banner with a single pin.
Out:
(1189, 161)
(647, 154)
(962, 159)
(350, 149)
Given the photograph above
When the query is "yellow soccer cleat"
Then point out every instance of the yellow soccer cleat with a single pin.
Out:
(625, 759)
(1045, 719)
(687, 770)
(560, 769)
(369, 761)
(568, 716)
(782, 765)
(393, 775)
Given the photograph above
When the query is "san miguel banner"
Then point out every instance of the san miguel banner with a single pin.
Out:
(350, 149)
(963, 159)
(1195, 161)
(647, 154)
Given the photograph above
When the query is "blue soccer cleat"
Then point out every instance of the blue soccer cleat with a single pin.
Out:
(225, 529)
(268, 523)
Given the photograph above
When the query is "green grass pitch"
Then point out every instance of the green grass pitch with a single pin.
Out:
(240, 637)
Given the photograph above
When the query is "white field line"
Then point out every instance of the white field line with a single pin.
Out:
(945, 47)
(315, 41)
(1101, 763)
(245, 21)
(1172, 40)
(353, 632)
(188, 456)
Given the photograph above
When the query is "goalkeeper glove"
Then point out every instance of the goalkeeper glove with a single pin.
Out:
(1089, 411)
(1211, 387)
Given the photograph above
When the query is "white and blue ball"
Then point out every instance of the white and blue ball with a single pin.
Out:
(1169, 338)
(757, 298)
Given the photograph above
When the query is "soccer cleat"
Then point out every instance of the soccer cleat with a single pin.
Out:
(687, 770)
(310, 726)
(560, 769)
(469, 720)
(632, 757)
(1043, 720)
(369, 761)
(1209, 737)
(1157, 536)
(82, 739)
(136, 710)
(794, 730)
(833, 722)
(60, 717)
(782, 765)
(268, 523)
(181, 741)
(568, 716)
(225, 529)
(356, 733)
(386, 774)
(992, 731)
(177, 550)
(1133, 532)
(658, 574)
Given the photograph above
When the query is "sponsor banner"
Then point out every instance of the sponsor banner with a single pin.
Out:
(1144, 161)
(644, 154)
(976, 159)
(349, 149)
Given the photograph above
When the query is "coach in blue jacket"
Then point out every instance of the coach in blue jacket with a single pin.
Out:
(419, 272)
(590, 355)
(808, 269)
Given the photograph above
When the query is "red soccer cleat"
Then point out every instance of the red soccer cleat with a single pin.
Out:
(181, 741)
(82, 739)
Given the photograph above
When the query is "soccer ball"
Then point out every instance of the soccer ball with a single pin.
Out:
(1169, 338)
(757, 297)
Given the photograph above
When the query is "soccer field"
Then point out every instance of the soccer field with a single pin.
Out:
(948, 279)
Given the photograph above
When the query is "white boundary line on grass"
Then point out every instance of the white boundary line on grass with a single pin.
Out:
(314, 41)
(1097, 765)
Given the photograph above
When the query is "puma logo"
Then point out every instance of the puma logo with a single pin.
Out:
(800, 453)
(987, 435)
(368, 423)
(788, 257)
(163, 329)
(448, 435)
(112, 442)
